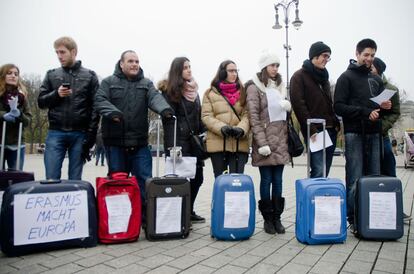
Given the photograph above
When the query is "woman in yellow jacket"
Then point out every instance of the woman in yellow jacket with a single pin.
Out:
(225, 115)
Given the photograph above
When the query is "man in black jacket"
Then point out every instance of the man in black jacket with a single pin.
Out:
(68, 92)
(123, 100)
(361, 116)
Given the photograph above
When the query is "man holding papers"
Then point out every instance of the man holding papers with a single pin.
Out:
(361, 116)
(311, 97)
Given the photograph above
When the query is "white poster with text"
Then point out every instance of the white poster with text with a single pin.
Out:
(50, 217)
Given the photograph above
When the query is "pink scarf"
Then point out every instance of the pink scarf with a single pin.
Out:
(190, 90)
(230, 91)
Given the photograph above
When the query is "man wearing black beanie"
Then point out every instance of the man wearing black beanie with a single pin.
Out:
(310, 95)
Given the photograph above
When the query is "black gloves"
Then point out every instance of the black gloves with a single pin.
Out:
(87, 144)
(167, 113)
(227, 131)
(235, 132)
(238, 132)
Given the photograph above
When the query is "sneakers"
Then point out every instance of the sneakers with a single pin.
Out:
(196, 218)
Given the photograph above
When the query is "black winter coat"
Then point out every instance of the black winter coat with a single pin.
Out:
(353, 91)
(183, 131)
(74, 112)
(128, 99)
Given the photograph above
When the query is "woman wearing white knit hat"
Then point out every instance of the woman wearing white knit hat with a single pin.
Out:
(267, 105)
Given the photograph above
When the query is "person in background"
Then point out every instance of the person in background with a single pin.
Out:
(181, 92)
(99, 149)
(68, 93)
(224, 113)
(122, 101)
(269, 146)
(14, 109)
(388, 163)
(310, 94)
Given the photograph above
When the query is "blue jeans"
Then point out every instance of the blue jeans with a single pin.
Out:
(271, 176)
(360, 161)
(57, 143)
(388, 165)
(316, 161)
(10, 156)
(137, 161)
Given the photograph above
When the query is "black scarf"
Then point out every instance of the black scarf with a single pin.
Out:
(321, 76)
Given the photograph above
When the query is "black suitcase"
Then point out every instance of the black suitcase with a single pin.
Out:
(379, 208)
(9, 177)
(378, 203)
(46, 215)
(168, 204)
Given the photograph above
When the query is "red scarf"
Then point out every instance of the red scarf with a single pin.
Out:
(230, 91)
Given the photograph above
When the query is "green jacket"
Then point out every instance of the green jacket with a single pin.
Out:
(12, 129)
(394, 113)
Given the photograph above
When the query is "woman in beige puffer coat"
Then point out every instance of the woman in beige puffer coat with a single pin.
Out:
(224, 114)
(270, 147)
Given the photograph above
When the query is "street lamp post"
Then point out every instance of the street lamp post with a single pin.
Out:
(285, 5)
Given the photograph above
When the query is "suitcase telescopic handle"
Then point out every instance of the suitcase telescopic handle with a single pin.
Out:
(316, 121)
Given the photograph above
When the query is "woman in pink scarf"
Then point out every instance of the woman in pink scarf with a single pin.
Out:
(225, 116)
(181, 92)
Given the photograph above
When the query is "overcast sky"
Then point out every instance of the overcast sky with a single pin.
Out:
(207, 32)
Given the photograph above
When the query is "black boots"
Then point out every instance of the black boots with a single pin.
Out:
(278, 207)
(265, 207)
(271, 211)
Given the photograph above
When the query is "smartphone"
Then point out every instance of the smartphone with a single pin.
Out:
(66, 85)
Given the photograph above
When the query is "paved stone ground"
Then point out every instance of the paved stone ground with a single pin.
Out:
(199, 253)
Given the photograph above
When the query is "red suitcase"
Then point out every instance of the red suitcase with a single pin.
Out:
(119, 208)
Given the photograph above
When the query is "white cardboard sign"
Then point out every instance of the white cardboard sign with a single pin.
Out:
(50, 217)
(382, 210)
(327, 215)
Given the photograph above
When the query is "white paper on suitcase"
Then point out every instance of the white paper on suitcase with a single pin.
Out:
(327, 215)
(382, 210)
(168, 214)
(184, 166)
(50, 217)
(236, 209)
(119, 212)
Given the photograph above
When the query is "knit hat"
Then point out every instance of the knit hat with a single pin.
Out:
(268, 58)
(317, 49)
(379, 65)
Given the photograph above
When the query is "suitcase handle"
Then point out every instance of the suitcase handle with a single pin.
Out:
(118, 175)
(50, 181)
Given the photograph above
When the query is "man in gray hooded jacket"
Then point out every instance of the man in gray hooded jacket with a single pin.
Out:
(122, 101)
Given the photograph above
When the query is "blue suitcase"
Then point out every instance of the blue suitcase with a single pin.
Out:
(315, 223)
(379, 208)
(233, 208)
(45, 215)
(320, 207)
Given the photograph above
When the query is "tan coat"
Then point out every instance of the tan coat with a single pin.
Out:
(216, 113)
(265, 133)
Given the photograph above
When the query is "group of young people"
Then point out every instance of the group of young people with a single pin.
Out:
(229, 113)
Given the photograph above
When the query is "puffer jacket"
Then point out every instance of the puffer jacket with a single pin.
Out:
(74, 112)
(12, 129)
(266, 133)
(128, 99)
(193, 110)
(216, 113)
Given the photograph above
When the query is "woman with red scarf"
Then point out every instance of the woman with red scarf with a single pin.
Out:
(14, 109)
(224, 114)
